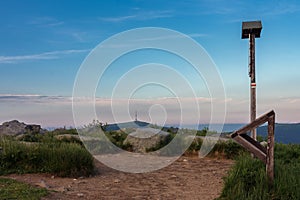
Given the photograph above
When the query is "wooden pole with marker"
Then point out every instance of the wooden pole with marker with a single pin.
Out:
(252, 30)
(252, 82)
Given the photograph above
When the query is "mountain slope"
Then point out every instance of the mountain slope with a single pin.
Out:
(284, 133)
(132, 124)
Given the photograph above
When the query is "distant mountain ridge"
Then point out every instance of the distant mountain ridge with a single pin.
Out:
(132, 124)
(284, 133)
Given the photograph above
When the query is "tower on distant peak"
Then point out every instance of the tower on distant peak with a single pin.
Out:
(135, 116)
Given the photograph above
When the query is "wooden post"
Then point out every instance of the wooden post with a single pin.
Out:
(270, 150)
(252, 82)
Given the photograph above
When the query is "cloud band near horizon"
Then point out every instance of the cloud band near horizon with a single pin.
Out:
(56, 111)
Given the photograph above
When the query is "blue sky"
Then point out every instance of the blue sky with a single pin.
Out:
(43, 44)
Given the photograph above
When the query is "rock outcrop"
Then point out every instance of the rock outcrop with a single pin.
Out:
(15, 127)
(145, 138)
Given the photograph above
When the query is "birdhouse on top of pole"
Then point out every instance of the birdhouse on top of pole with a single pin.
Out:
(249, 28)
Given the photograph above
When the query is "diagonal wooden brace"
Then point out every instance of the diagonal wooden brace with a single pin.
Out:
(264, 154)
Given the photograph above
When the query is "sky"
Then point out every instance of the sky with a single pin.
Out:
(44, 44)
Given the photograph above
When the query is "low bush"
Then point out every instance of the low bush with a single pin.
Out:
(228, 149)
(63, 159)
(117, 138)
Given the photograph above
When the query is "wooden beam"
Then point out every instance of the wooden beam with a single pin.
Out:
(254, 143)
(250, 147)
(259, 121)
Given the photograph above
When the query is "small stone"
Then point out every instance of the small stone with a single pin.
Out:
(81, 182)
(42, 184)
(173, 176)
(185, 160)
(52, 177)
(60, 189)
(116, 181)
(80, 195)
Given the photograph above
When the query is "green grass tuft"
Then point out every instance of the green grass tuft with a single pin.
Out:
(248, 180)
(11, 189)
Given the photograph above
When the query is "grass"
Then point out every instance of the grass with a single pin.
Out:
(60, 158)
(247, 179)
(226, 149)
(11, 189)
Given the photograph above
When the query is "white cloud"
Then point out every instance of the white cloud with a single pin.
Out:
(34, 98)
(57, 110)
(46, 109)
(45, 22)
(282, 8)
(158, 38)
(117, 19)
(146, 15)
(41, 56)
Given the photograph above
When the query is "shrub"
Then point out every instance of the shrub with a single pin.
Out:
(63, 131)
(224, 149)
(117, 137)
(195, 145)
(63, 159)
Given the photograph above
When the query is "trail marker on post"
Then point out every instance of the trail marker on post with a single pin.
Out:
(252, 30)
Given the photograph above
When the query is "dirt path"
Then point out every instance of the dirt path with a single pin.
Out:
(187, 178)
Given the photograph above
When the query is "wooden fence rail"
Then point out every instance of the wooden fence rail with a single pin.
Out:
(264, 154)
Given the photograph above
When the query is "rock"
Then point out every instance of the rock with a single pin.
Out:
(145, 138)
(81, 182)
(80, 195)
(42, 184)
(15, 127)
(60, 189)
(173, 176)
(32, 129)
(116, 181)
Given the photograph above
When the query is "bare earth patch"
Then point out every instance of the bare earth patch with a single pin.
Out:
(187, 178)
